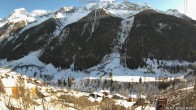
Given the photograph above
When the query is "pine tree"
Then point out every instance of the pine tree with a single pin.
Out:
(140, 80)
(70, 81)
(110, 75)
(64, 83)
(59, 82)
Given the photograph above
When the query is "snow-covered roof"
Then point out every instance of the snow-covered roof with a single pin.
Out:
(100, 94)
(30, 85)
(142, 96)
(91, 99)
(99, 99)
(9, 82)
(136, 96)
(109, 96)
(119, 95)
(95, 93)
(133, 96)
(106, 91)
(3, 106)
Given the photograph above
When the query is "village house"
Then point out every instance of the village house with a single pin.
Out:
(96, 95)
(135, 97)
(11, 87)
(32, 89)
(106, 93)
(161, 104)
(132, 98)
(118, 96)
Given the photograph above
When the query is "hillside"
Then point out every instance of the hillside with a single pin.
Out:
(159, 36)
(83, 43)
(131, 30)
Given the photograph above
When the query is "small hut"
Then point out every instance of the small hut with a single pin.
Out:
(161, 104)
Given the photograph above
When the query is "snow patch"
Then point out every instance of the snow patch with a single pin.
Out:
(20, 15)
(36, 13)
(107, 1)
(176, 13)
(36, 22)
(124, 103)
(31, 58)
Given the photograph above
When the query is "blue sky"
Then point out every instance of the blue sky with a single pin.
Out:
(7, 6)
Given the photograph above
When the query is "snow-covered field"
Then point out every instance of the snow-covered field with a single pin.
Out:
(30, 64)
(50, 97)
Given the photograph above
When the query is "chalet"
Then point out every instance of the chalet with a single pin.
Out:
(105, 92)
(32, 89)
(118, 96)
(9, 86)
(161, 104)
(135, 97)
(132, 98)
(96, 95)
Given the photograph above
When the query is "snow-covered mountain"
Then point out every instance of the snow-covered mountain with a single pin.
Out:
(39, 13)
(18, 13)
(98, 39)
(176, 13)
(2, 22)
(20, 20)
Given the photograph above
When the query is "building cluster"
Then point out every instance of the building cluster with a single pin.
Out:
(15, 85)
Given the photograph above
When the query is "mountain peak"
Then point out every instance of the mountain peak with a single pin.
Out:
(39, 12)
(66, 9)
(110, 1)
(17, 13)
(60, 13)
(176, 13)
(112, 4)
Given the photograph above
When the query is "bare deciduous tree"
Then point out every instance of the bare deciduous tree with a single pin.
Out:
(7, 100)
(45, 104)
(24, 96)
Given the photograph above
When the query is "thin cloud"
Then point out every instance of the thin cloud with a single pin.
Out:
(191, 9)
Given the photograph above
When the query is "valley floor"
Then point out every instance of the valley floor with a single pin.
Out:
(108, 75)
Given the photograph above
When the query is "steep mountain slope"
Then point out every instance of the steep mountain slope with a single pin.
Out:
(85, 42)
(30, 40)
(2, 22)
(18, 21)
(10, 28)
(35, 35)
(160, 36)
(98, 34)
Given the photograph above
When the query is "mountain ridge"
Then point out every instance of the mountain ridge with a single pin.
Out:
(100, 30)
